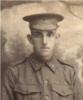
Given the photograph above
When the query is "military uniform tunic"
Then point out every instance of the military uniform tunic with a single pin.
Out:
(35, 80)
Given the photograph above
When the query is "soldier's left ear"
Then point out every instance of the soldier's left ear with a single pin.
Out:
(57, 36)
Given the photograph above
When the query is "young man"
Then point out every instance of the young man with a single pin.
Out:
(42, 76)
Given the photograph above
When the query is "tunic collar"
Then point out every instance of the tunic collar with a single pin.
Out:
(37, 64)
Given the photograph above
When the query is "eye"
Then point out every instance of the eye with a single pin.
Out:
(36, 34)
(50, 33)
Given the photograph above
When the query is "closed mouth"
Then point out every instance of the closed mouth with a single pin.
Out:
(45, 48)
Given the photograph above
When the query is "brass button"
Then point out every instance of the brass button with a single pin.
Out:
(53, 66)
(45, 81)
(46, 97)
(37, 64)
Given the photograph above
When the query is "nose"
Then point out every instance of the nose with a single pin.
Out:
(44, 40)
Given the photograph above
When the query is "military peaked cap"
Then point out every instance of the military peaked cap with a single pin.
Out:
(44, 21)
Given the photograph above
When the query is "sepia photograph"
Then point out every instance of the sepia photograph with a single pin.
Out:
(41, 49)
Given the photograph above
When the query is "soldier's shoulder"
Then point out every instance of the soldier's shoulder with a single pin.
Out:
(67, 63)
(68, 66)
(17, 66)
(20, 63)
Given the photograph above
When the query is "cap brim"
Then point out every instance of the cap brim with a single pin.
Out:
(46, 15)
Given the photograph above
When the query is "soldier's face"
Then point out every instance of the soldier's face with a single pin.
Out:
(44, 43)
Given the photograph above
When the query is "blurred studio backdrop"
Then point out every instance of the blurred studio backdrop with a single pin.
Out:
(14, 43)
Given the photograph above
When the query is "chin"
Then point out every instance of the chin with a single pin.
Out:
(46, 57)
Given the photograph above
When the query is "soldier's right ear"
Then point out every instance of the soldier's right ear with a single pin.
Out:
(29, 37)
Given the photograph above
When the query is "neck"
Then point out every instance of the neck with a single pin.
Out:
(41, 59)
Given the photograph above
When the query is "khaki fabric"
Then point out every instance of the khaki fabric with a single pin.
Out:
(35, 80)
(43, 21)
